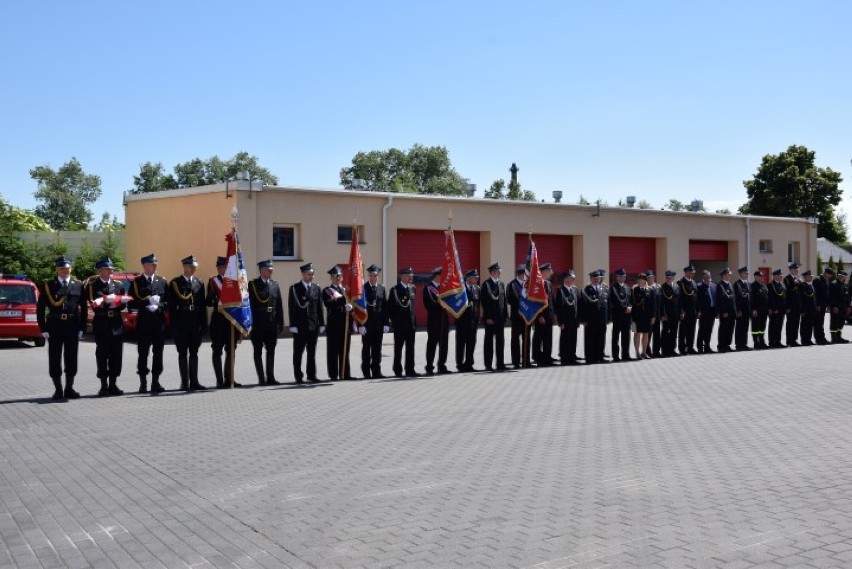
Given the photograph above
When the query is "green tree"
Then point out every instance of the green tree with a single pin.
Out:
(839, 266)
(420, 169)
(112, 248)
(676, 205)
(790, 184)
(819, 264)
(152, 178)
(726, 211)
(39, 263)
(84, 261)
(831, 264)
(583, 200)
(499, 190)
(65, 194)
(644, 204)
(108, 223)
(199, 172)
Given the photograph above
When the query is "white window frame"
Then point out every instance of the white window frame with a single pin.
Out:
(764, 245)
(295, 255)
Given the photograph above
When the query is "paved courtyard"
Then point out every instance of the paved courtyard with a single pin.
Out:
(738, 460)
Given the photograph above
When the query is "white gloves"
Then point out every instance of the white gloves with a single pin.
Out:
(125, 299)
(362, 330)
(294, 330)
(110, 298)
(322, 329)
(79, 334)
(45, 335)
(154, 300)
(385, 329)
(524, 293)
(348, 307)
(151, 308)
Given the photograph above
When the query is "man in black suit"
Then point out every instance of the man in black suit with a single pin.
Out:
(437, 326)
(221, 329)
(838, 302)
(620, 309)
(377, 325)
(150, 294)
(338, 342)
(495, 312)
(542, 338)
(107, 300)
(822, 284)
(514, 293)
(689, 312)
(267, 321)
(777, 308)
(706, 312)
(306, 322)
(808, 305)
(188, 313)
(401, 307)
(670, 314)
(566, 305)
(726, 308)
(759, 311)
(655, 346)
(468, 323)
(61, 317)
(794, 304)
(594, 315)
(742, 299)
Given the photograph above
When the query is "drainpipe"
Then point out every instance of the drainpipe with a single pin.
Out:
(748, 243)
(385, 209)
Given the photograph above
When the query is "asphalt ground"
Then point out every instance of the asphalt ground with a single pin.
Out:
(733, 460)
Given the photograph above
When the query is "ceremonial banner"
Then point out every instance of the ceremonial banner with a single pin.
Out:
(452, 294)
(234, 296)
(535, 298)
(353, 280)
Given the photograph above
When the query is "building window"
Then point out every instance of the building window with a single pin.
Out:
(285, 242)
(344, 234)
(793, 251)
(765, 246)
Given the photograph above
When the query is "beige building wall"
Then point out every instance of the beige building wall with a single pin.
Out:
(176, 223)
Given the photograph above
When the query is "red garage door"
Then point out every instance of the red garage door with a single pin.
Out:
(423, 250)
(558, 250)
(633, 254)
(708, 250)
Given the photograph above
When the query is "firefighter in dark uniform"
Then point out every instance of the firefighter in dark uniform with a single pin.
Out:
(542, 338)
(401, 300)
(566, 301)
(777, 308)
(655, 349)
(377, 325)
(670, 314)
(594, 315)
(514, 293)
(306, 322)
(150, 292)
(338, 342)
(808, 306)
(188, 313)
(706, 312)
(726, 308)
(620, 309)
(794, 309)
(689, 312)
(61, 316)
(468, 323)
(742, 298)
(107, 299)
(220, 328)
(267, 321)
(822, 284)
(838, 302)
(437, 326)
(495, 312)
(759, 311)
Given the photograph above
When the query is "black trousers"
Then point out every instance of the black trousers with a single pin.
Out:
(705, 331)
(303, 342)
(337, 365)
(669, 336)
(819, 326)
(465, 345)
(437, 339)
(187, 342)
(776, 324)
(109, 346)
(806, 327)
(495, 339)
(62, 348)
(403, 341)
(151, 336)
(594, 341)
(220, 340)
(568, 344)
(620, 336)
(686, 334)
(542, 343)
(793, 326)
(837, 322)
(516, 343)
(371, 352)
(655, 345)
(726, 332)
(742, 324)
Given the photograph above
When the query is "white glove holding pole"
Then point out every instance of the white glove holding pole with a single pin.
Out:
(322, 329)
(80, 335)
(385, 329)
(348, 307)
(294, 330)
(45, 335)
(110, 298)
(151, 308)
(362, 330)
(154, 300)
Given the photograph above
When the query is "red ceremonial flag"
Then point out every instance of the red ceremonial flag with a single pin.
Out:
(534, 299)
(452, 294)
(354, 281)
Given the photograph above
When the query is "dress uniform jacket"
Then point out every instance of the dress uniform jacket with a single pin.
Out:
(150, 326)
(689, 309)
(838, 301)
(188, 313)
(466, 328)
(495, 309)
(777, 310)
(794, 308)
(61, 311)
(514, 292)
(808, 309)
(619, 304)
(334, 299)
(726, 306)
(742, 300)
(437, 329)
(821, 287)
(107, 325)
(305, 308)
(378, 317)
(595, 313)
(567, 308)
(760, 309)
(670, 315)
(220, 333)
(542, 340)
(401, 300)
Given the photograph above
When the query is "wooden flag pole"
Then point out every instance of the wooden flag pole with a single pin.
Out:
(231, 359)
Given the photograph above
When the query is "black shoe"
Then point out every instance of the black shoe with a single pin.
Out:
(501, 368)
(103, 392)
(376, 376)
(157, 388)
(299, 381)
(71, 394)
(273, 381)
(197, 387)
(793, 344)
(313, 380)
(114, 390)
(444, 370)
(58, 395)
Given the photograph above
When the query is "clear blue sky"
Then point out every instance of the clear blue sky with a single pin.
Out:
(605, 99)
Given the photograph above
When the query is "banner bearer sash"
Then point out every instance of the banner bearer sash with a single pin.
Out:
(452, 294)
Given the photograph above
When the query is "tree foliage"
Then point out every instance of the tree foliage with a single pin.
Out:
(420, 170)
(499, 190)
(65, 194)
(790, 184)
(152, 177)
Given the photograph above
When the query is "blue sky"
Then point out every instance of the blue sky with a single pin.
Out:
(606, 99)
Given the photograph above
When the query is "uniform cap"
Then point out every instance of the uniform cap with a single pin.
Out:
(828, 270)
(642, 276)
(725, 271)
(374, 269)
(670, 273)
(63, 261)
(620, 273)
(521, 269)
(191, 260)
(104, 264)
(436, 271)
(742, 270)
(545, 267)
(651, 273)
(406, 271)
(842, 273)
(307, 268)
(568, 273)
(689, 269)
(808, 273)
(152, 258)
(757, 273)
(471, 273)
(221, 261)
(495, 267)
(335, 271)
(793, 265)
(267, 264)
(777, 272)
